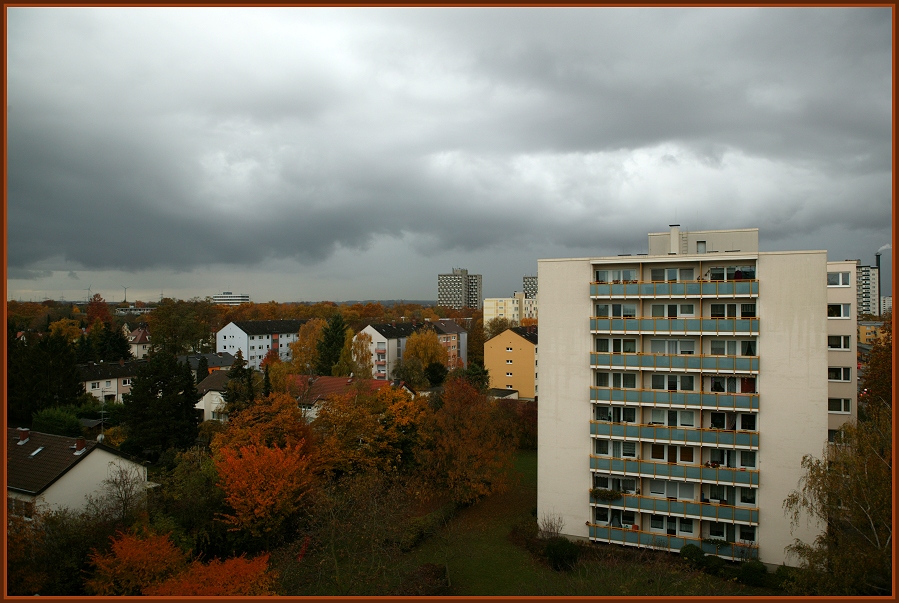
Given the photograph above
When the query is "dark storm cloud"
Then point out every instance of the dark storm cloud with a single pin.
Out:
(144, 139)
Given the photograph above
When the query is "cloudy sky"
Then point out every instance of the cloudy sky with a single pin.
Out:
(335, 154)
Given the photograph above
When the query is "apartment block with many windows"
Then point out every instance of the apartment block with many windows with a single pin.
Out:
(680, 390)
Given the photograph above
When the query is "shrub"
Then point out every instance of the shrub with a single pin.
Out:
(782, 577)
(561, 553)
(713, 565)
(753, 573)
(58, 422)
(693, 555)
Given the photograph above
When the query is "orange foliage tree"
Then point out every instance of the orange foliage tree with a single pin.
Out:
(264, 485)
(133, 564)
(273, 421)
(472, 443)
(235, 577)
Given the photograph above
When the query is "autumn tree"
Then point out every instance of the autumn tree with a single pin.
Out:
(235, 577)
(242, 387)
(410, 371)
(350, 434)
(273, 421)
(304, 351)
(476, 339)
(264, 485)
(495, 327)
(332, 341)
(472, 443)
(345, 366)
(184, 327)
(424, 346)
(133, 564)
(98, 309)
(361, 352)
(849, 490)
(69, 329)
(876, 383)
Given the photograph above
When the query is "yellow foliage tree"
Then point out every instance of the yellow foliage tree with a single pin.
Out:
(425, 347)
(304, 350)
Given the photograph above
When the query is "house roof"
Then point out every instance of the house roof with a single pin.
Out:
(267, 327)
(529, 333)
(401, 330)
(501, 393)
(213, 360)
(216, 381)
(109, 370)
(448, 326)
(139, 336)
(317, 388)
(33, 473)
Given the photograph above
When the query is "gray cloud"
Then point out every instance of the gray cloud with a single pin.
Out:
(141, 141)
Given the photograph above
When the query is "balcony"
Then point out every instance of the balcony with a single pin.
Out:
(662, 470)
(684, 508)
(682, 362)
(685, 400)
(662, 541)
(675, 326)
(634, 289)
(748, 440)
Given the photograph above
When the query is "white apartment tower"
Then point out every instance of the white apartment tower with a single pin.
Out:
(529, 286)
(691, 380)
(459, 290)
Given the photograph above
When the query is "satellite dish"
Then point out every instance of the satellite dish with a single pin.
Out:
(100, 438)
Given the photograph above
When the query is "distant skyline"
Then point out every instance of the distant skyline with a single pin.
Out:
(308, 154)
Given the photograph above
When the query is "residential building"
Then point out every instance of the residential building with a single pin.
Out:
(139, 341)
(868, 288)
(868, 331)
(229, 298)
(459, 289)
(109, 381)
(886, 304)
(511, 360)
(58, 471)
(388, 342)
(312, 390)
(215, 361)
(513, 309)
(212, 398)
(529, 286)
(704, 367)
(254, 338)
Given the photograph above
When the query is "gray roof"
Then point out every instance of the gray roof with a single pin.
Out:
(109, 370)
(213, 360)
(267, 327)
(400, 330)
(216, 381)
(529, 333)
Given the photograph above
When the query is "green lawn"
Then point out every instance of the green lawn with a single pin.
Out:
(483, 561)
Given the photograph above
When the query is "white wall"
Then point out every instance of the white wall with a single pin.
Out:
(85, 478)
(792, 387)
(564, 444)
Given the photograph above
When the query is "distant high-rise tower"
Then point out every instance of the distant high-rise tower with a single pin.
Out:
(868, 290)
(459, 289)
(530, 287)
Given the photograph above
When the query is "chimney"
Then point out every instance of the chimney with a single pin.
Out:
(79, 445)
(674, 239)
(24, 434)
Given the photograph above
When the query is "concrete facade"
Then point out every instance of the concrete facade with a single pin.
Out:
(513, 308)
(459, 289)
(692, 380)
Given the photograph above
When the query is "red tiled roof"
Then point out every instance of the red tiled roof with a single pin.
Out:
(322, 387)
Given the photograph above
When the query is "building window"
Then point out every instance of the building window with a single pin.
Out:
(716, 530)
(838, 342)
(629, 449)
(747, 496)
(700, 246)
(839, 310)
(686, 525)
(837, 279)
(747, 458)
(747, 533)
(602, 515)
(508, 349)
(839, 373)
(126, 381)
(95, 385)
(508, 374)
(657, 522)
(601, 447)
(840, 405)
(747, 422)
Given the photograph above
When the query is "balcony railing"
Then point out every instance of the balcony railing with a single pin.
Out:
(748, 288)
(683, 508)
(662, 541)
(687, 362)
(679, 435)
(686, 400)
(662, 470)
(676, 326)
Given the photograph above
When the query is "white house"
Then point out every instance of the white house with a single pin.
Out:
(255, 338)
(211, 390)
(59, 471)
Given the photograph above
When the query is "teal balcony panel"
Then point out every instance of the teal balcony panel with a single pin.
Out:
(726, 475)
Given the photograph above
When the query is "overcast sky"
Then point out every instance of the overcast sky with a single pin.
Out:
(305, 154)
